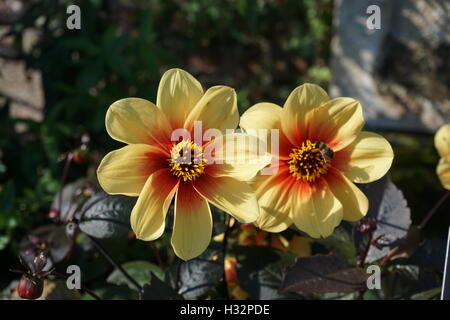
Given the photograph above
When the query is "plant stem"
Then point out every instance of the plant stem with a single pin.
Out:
(63, 179)
(83, 287)
(224, 249)
(157, 255)
(433, 210)
(362, 259)
(110, 259)
(178, 275)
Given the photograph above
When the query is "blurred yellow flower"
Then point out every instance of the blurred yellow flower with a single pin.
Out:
(154, 168)
(235, 290)
(322, 151)
(442, 143)
(301, 246)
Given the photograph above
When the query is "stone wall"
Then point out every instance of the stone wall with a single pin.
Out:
(401, 72)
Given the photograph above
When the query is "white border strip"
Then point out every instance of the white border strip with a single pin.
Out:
(446, 271)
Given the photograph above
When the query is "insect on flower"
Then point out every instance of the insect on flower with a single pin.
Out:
(322, 151)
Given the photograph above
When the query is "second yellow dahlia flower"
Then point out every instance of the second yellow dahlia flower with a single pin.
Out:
(321, 152)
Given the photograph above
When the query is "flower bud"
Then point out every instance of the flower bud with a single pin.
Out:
(53, 214)
(30, 287)
(80, 155)
(367, 225)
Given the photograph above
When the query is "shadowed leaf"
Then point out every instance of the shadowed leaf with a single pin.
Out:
(106, 216)
(323, 274)
(159, 290)
(141, 271)
(198, 276)
(393, 218)
(261, 269)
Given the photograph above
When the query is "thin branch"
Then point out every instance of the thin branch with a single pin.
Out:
(433, 210)
(157, 255)
(224, 249)
(83, 287)
(63, 180)
(110, 259)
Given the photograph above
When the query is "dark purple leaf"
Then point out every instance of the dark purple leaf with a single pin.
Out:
(323, 274)
(389, 210)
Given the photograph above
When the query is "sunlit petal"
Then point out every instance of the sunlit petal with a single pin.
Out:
(367, 159)
(230, 195)
(337, 122)
(135, 120)
(238, 155)
(217, 109)
(443, 172)
(192, 227)
(125, 171)
(303, 99)
(318, 210)
(274, 194)
(149, 213)
(442, 141)
(178, 93)
(354, 202)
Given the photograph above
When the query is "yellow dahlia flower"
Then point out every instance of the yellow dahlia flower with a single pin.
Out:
(154, 168)
(322, 151)
(442, 143)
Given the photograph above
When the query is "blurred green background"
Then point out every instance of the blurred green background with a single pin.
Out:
(264, 49)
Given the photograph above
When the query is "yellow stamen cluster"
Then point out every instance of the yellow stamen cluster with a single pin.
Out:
(308, 162)
(186, 161)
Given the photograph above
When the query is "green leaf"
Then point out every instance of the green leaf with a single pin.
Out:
(112, 292)
(159, 290)
(341, 243)
(7, 197)
(427, 295)
(261, 270)
(141, 271)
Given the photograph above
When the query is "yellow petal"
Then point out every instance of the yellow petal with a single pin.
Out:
(234, 197)
(178, 93)
(135, 120)
(337, 122)
(370, 157)
(274, 197)
(192, 227)
(217, 109)
(262, 115)
(354, 202)
(260, 120)
(442, 141)
(318, 211)
(303, 99)
(149, 213)
(125, 171)
(443, 172)
(238, 155)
